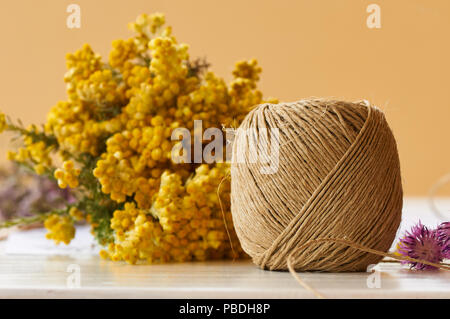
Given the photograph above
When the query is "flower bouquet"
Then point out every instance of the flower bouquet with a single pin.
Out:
(111, 143)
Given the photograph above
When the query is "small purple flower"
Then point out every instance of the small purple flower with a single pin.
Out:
(421, 243)
(443, 232)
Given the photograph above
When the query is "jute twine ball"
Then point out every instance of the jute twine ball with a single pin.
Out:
(338, 177)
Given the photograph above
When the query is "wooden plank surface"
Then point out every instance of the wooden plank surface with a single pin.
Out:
(35, 275)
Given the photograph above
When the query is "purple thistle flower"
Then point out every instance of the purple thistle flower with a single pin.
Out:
(421, 243)
(443, 232)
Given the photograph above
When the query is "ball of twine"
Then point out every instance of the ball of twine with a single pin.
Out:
(337, 186)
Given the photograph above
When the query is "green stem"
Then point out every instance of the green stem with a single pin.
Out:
(31, 219)
(49, 140)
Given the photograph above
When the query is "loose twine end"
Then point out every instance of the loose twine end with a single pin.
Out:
(290, 261)
(223, 215)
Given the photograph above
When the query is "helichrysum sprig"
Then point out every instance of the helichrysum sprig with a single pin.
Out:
(67, 176)
(60, 228)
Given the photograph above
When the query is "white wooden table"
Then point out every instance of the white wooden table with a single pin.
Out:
(43, 273)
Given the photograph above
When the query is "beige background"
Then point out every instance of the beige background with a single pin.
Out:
(306, 48)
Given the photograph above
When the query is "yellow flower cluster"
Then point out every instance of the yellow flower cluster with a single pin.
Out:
(68, 175)
(35, 152)
(183, 223)
(248, 70)
(145, 27)
(101, 88)
(73, 125)
(148, 24)
(60, 228)
(81, 65)
(117, 124)
(76, 214)
(133, 161)
(122, 51)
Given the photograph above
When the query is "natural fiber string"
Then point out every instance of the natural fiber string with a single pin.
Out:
(348, 243)
(338, 175)
(335, 202)
(223, 215)
(308, 287)
(374, 251)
